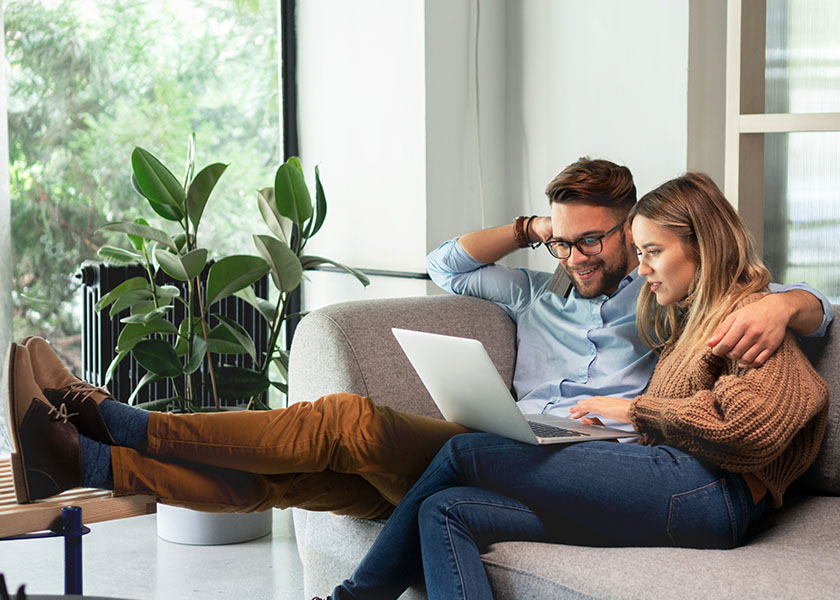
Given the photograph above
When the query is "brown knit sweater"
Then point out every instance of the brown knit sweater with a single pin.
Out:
(767, 421)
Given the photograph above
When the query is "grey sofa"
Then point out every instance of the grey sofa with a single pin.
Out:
(349, 347)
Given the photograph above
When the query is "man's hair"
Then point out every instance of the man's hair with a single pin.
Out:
(729, 269)
(598, 181)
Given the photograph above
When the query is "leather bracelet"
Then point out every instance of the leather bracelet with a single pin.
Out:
(519, 232)
(528, 233)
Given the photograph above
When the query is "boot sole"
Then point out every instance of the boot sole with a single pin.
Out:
(18, 465)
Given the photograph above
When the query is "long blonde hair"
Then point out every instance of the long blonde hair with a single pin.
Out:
(728, 267)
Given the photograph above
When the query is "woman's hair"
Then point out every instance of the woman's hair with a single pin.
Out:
(715, 238)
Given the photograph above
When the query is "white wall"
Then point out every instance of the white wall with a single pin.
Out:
(388, 108)
(604, 78)
(362, 114)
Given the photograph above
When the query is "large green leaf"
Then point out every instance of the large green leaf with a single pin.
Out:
(143, 231)
(282, 227)
(158, 184)
(182, 267)
(118, 256)
(240, 334)
(309, 262)
(236, 382)
(263, 306)
(129, 285)
(146, 317)
(182, 346)
(200, 190)
(320, 204)
(291, 194)
(113, 366)
(286, 270)
(158, 357)
(282, 367)
(222, 341)
(199, 349)
(133, 333)
(232, 273)
(138, 242)
(167, 292)
(164, 210)
(144, 381)
(130, 300)
(162, 404)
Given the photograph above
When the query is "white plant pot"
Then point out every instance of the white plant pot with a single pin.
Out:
(186, 526)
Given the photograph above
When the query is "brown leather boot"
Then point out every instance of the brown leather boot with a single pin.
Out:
(47, 457)
(61, 387)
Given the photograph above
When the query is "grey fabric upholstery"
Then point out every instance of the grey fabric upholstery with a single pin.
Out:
(349, 347)
(824, 353)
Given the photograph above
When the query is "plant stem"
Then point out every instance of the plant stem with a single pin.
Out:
(279, 318)
(148, 264)
(204, 331)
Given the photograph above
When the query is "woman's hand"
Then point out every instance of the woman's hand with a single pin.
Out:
(617, 409)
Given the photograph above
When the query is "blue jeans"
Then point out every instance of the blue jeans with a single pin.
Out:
(482, 488)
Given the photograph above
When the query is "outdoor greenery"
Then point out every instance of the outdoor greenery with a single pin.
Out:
(177, 350)
(87, 81)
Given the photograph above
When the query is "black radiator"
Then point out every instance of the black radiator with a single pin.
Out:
(100, 334)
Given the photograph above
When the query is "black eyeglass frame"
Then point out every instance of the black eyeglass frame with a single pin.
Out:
(552, 244)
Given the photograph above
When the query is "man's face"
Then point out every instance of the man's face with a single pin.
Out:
(599, 274)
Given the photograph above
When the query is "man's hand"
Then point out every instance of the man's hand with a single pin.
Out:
(541, 230)
(617, 409)
(491, 245)
(752, 333)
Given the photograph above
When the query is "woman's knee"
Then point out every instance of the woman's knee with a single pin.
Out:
(439, 509)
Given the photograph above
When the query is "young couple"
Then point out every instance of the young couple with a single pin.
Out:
(714, 444)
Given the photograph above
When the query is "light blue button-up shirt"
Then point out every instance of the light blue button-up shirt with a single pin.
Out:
(568, 349)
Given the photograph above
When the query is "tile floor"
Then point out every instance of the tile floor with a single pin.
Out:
(126, 559)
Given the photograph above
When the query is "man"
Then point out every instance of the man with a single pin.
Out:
(342, 452)
(578, 342)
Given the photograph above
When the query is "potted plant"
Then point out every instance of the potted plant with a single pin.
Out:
(191, 350)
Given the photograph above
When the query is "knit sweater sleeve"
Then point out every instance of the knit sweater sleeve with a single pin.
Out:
(741, 420)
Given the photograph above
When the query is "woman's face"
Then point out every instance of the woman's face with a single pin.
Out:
(663, 260)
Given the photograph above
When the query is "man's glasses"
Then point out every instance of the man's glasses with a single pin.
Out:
(588, 246)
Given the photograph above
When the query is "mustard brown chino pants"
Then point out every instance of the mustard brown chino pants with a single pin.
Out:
(341, 453)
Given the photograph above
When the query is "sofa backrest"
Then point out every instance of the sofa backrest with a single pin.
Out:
(824, 476)
(349, 347)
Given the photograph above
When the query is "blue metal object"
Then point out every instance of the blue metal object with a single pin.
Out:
(72, 517)
(70, 527)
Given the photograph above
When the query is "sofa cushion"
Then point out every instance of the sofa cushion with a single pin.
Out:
(824, 475)
(788, 558)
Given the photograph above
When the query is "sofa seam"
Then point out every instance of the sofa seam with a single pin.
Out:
(358, 364)
(509, 568)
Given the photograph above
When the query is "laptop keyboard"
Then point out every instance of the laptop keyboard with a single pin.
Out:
(551, 431)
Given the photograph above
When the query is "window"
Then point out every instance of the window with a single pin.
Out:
(90, 79)
(783, 134)
(87, 80)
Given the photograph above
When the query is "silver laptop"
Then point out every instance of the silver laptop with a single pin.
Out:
(468, 390)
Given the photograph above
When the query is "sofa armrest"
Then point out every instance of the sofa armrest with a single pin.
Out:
(349, 347)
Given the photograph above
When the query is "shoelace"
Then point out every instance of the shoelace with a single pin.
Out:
(61, 413)
(84, 389)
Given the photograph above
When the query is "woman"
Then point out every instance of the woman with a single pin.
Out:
(717, 442)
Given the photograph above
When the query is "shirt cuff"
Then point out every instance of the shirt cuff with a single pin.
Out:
(828, 309)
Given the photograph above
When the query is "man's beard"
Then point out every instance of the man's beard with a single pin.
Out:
(610, 276)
